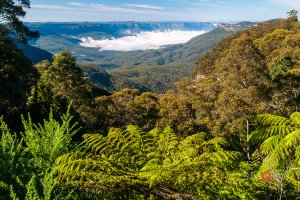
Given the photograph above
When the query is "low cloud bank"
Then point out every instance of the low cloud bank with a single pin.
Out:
(141, 41)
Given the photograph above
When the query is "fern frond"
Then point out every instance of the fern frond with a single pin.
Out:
(270, 120)
(133, 158)
(221, 158)
(263, 133)
(284, 149)
(280, 141)
(295, 119)
(218, 141)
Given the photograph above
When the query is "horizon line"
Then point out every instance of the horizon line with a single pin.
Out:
(150, 21)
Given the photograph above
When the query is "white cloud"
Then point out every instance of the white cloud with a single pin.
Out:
(141, 41)
(88, 7)
(45, 6)
(111, 8)
(75, 3)
(102, 7)
(146, 6)
(203, 1)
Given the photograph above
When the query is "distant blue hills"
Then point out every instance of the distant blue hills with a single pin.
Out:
(113, 29)
(150, 70)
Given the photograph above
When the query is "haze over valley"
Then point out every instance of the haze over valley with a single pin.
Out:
(151, 56)
(116, 36)
(141, 41)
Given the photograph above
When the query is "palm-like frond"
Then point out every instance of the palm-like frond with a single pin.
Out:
(280, 142)
(271, 125)
(144, 160)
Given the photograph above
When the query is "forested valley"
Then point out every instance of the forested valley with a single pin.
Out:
(231, 131)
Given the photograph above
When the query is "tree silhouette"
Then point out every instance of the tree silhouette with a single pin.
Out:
(10, 13)
(293, 14)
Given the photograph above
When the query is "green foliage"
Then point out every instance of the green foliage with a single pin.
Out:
(151, 70)
(48, 140)
(250, 72)
(32, 192)
(10, 12)
(280, 66)
(17, 76)
(158, 70)
(253, 71)
(13, 163)
(158, 162)
(281, 48)
(27, 164)
(293, 15)
(279, 137)
(128, 106)
(61, 84)
(148, 110)
(279, 144)
(177, 111)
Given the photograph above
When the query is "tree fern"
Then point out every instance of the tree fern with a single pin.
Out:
(279, 140)
(13, 163)
(271, 125)
(32, 192)
(49, 140)
(155, 161)
(27, 164)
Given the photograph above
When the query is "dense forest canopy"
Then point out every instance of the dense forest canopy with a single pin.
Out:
(232, 131)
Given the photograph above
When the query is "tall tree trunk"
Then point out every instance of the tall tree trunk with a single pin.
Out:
(248, 133)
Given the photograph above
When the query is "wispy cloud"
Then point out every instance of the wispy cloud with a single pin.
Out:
(288, 3)
(46, 6)
(163, 10)
(141, 41)
(75, 3)
(110, 8)
(95, 7)
(146, 6)
(215, 4)
(203, 1)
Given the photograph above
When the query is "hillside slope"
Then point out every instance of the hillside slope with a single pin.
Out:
(150, 70)
(253, 71)
(158, 70)
(35, 54)
(56, 37)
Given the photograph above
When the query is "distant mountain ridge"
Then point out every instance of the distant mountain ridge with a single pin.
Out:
(56, 37)
(115, 29)
(150, 70)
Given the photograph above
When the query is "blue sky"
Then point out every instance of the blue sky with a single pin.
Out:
(158, 10)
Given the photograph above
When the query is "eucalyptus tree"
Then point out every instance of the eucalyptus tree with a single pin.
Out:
(10, 13)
